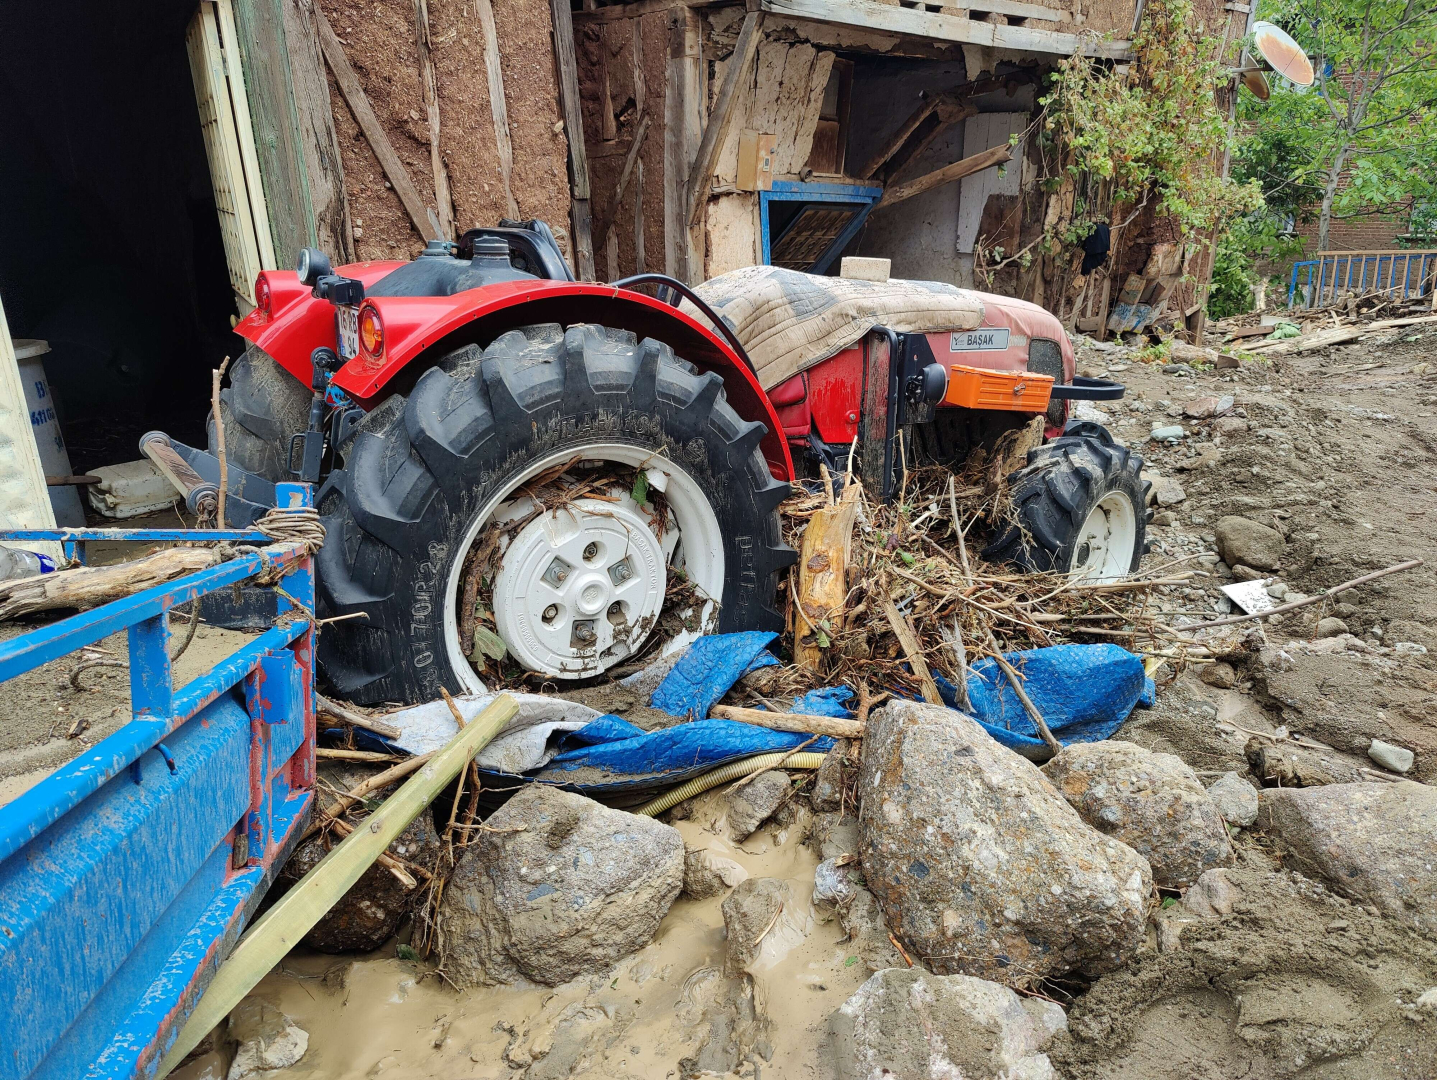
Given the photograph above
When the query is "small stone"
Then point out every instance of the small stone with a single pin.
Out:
(906, 1024)
(1229, 425)
(1168, 432)
(268, 1039)
(1331, 626)
(1164, 518)
(750, 806)
(827, 792)
(1205, 408)
(1168, 492)
(707, 874)
(1235, 798)
(1240, 540)
(1428, 1001)
(1246, 573)
(1212, 895)
(1396, 759)
(1220, 675)
(1338, 926)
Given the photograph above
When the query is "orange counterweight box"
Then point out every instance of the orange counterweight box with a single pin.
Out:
(982, 388)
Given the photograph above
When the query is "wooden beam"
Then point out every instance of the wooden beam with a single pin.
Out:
(948, 113)
(429, 83)
(938, 26)
(740, 64)
(239, 99)
(946, 175)
(640, 261)
(683, 102)
(1015, 8)
(569, 102)
(354, 95)
(899, 137)
(320, 166)
(611, 212)
(498, 104)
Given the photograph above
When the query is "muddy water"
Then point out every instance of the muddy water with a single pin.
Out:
(385, 1017)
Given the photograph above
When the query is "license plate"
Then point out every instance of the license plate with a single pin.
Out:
(348, 331)
(979, 340)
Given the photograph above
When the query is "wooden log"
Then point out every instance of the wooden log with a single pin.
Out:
(90, 586)
(795, 722)
(569, 102)
(358, 102)
(327, 753)
(683, 99)
(275, 932)
(823, 574)
(429, 83)
(498, 103)
(640, 260)
(966, 167)
(355, 718)
(716, 130)
(912, 649)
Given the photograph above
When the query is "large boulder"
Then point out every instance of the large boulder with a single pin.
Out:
(980, 865)
(1373, 842)
(371, 911)
(557, 886)
(905, 1024)
(1152, 802)
(1242, 542)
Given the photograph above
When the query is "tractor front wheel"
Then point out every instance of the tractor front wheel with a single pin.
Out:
(549, 492)
(1080, 507)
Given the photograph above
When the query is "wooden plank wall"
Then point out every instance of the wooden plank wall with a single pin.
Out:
(667, 66)
(489, 176)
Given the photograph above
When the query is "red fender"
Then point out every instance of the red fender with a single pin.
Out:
(414, 326)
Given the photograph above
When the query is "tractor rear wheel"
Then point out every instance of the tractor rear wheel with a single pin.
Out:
(262, 407)
(1080, 506)
(445, 507)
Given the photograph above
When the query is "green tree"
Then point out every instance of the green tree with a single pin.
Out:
(1371, 113)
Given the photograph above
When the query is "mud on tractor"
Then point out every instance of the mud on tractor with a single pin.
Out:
(511, 461)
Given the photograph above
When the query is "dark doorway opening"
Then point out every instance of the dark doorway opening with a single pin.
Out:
(110, 246)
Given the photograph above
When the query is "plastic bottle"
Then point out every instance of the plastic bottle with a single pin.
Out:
(16, 563)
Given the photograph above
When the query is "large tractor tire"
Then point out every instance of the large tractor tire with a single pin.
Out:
(262, 407)
(1081, 508)
(579, 586)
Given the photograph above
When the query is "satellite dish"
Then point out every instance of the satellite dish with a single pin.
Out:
(1256, 81)
(1283, 54)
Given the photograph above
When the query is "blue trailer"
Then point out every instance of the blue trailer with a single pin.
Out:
(127, 875)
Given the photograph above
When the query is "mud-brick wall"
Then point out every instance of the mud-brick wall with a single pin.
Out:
(380, 41)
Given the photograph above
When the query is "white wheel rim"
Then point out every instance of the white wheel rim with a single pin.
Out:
(1104, 548)
(627, 566)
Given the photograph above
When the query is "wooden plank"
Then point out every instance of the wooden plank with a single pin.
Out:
(606, 223)
(318, 163)
(717, 129)
(249, 159)
(641, 86)
(937, 26)
(429, 83)
(822, 590)
(899, 137)
(640, 262)
(810, 107)
(946, 175)
(683, 102)
(632, 10)
(358, 101)
(912, 649)
(498, 103)
(837, 727)
(1015, 8)
(948, 112)
(569, 102)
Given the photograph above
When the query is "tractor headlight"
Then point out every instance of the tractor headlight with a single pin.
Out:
(312, 265)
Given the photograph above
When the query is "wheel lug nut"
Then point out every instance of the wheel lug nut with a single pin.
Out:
(551, 613)
(591, 552)
(584, 633)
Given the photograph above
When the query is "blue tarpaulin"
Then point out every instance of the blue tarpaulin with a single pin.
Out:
(711, 665)
(1084, 693)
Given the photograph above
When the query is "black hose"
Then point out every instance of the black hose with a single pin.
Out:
(678, 287)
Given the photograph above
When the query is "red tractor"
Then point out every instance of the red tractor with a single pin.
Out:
(439, 404)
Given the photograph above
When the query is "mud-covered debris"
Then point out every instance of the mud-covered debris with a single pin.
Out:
(750, 913)
(556, 886)
(268, 1040)
(1220, 675)
(1154, 803)
(904, 1022)
(1373, 842)
(1397, 759)
(980, 864)
(750, 806)
(707, 874)
(1212, 895)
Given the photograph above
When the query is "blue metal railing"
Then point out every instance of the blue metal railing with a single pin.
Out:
(1409, 273)
(127, 874)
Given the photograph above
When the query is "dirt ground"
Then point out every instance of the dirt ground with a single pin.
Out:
(1338, 450)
